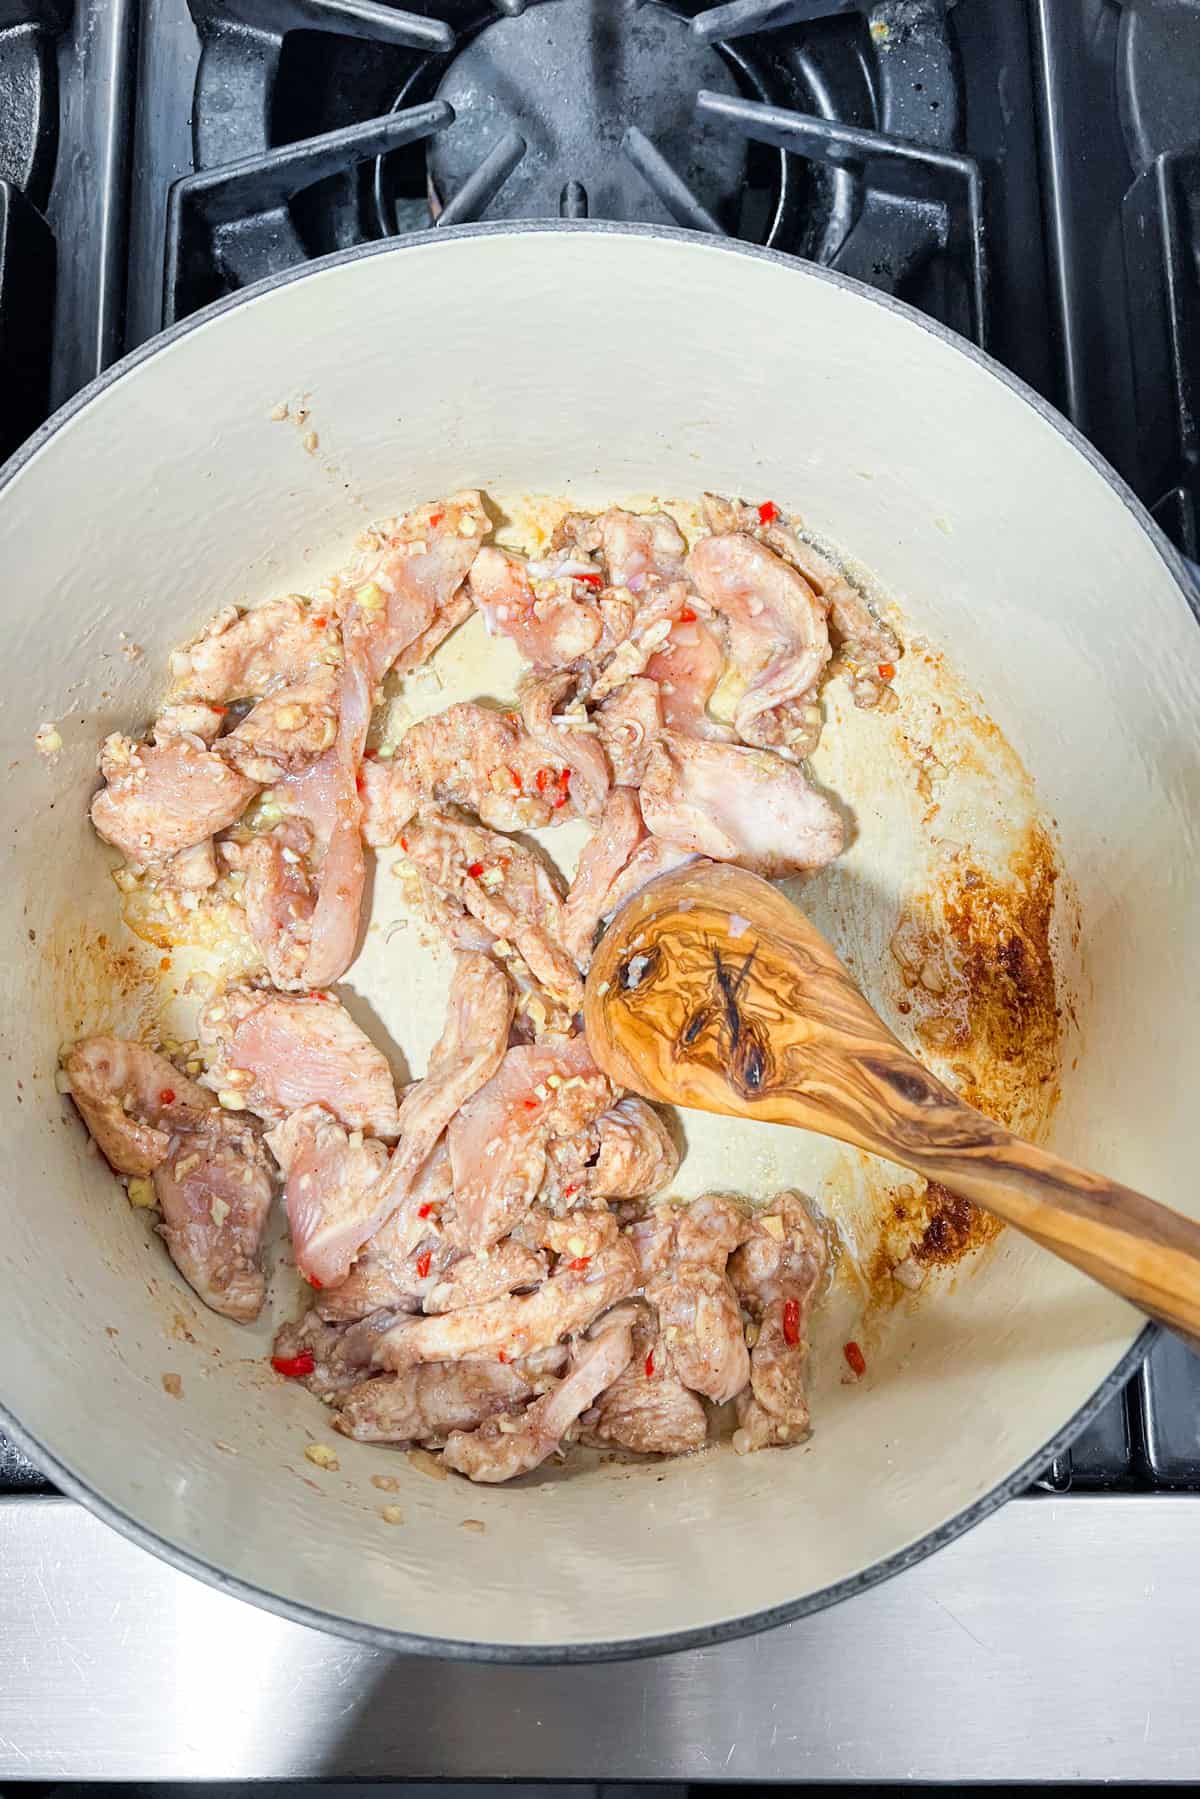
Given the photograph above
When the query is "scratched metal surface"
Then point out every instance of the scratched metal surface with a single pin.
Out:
(1055, 1642)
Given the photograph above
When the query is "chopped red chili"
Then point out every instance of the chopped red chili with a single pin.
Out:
(423, 1262)
(517, 781)
(573, 1188)
(435, 519)
(167, 1097)
(768, 512)
(590, 580)
(856, 1359)
(425, 1210)
(294, 1367)
(321, 622)
(370, 755)
(564, 783)
(579, 1262)
(475, 870)
(530, 1105)
(404, 843)
(791, 1321)
(886, 670)
(314, 1282)
(687, 616)
(649, 1364)
(502, 1355)
(543, 778)
(164, 963)
(218, 709)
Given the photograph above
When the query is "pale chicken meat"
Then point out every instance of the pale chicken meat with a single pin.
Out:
(776, 636)
(737, 805)
(606, 853)
(329, 1359)
(554, 622)
(628, 722)
(638, 549)
(278, 895)
(491, 1274)
(777, 1273)
(279, 1052)
(652, 857)
(132, 1100)
(472, 756)
(242, 654)
(682, 1254)
(409, 574)
(515, 1444)
(687, 671)
(192, 870)
(568, 740)
(392, 1271)
(507, 1329)
(287, 730)
(498, 1139)
(657, 616)
(214, 1189)
(637, 1154)
(425, 1404)
(647, 1410)
(464, 1059)
(509, 889)
(159, 799)
(333, 1180)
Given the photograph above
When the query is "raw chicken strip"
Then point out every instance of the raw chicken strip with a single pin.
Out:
(648, 1410)
(606, 852)
(571, 748)
(492, 1274)
(653, 623)
(427, 1403)
(281, 1052)
(240, 654)
(506, 887)
(505, 1447)
(550, 623)
(333, 1180)
(464, 1059)
(160, 799)
(777, 637)
(687, 670)
(737, 805)
(132, 1100)
(410, 572)
(628, 723)
(386, 1273)
(454, 613)
(193, 870)
(776, 1274)
(638, 548)
(468, 755)
(214, 1189)
(637, 1152)
(498, 1139)
(682, 1254)
(511, 1328)
(651, 858)
(287, 730)
(279, 896)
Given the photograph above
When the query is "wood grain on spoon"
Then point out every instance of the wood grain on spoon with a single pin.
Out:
(710, 989)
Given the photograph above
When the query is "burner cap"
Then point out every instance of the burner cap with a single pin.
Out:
(570, 77)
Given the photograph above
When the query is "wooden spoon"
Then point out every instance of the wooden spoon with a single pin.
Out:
(710, 989)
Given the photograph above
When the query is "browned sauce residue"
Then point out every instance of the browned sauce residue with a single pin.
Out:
(954, 1227)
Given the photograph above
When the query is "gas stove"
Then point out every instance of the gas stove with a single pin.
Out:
(1026, 171)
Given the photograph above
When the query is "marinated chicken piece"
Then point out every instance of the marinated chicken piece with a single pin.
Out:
(656, 618)
(651, 858)
(574, 1235)
(507, 1446)
(606, 853)
(498, 1139)
(325, 796)
(241, 654)
(682, 1254)
(737, 805)
(628, 723)
(638, 548)
(568, 741)
(511, 1328)
(508, 888)
(201, 720)
(491, 1274)
(465, 1058)
(279, 1052)
(392, 1272)
(776, 636)
(333, 1181)
(688, 670)
(637, 1152)
(132, 1101)
(411, 571)
(160, 799)
(341, 1356)
(455, 612)
(214, 1190)
(193, 870)
(472, 756)
(776, 1274)
(648, 1410)
(279, 896)
(862, 637)
(554, 623)
(287, 730)
(425, 1404)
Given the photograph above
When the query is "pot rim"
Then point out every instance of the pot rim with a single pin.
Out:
(697, 1636)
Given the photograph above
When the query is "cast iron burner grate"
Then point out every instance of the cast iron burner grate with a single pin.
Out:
(815, 126)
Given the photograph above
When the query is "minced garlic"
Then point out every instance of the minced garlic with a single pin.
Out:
(322, 1456)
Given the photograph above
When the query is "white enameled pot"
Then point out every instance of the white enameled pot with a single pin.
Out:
(595, 362)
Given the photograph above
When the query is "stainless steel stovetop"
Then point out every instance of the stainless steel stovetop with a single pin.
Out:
(1027, 171)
